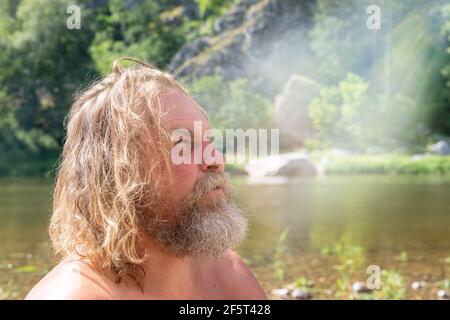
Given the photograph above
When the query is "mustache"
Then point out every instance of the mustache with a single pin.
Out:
(211, 181)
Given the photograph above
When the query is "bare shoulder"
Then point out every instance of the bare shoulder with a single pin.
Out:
(72, 279)
(239, 277)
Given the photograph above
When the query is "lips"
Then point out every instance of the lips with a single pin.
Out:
(213, 184)
(216, 189)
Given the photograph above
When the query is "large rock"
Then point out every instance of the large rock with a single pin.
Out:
(262, 40)
(441, 147)
(284, 165)
(292, 107)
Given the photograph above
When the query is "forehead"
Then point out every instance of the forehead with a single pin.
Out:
(180, 111)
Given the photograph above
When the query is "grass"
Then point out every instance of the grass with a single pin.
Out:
(303, 283)
(375, 164)
(392, 286)
(280, 258)
(387, 164)
(350, 260)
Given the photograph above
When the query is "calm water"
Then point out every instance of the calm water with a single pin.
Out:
(383, 215)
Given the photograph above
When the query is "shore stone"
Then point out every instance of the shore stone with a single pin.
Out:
(441, 147)
(416, 285)
(281, 292)
(442, 294)
(360, 287)
(301, 294)
(283, 165)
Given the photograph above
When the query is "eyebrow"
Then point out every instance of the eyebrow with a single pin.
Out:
(191, 133)
(175, 119)
(201, 110)
(185, 119)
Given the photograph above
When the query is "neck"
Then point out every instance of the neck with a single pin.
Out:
(166, 273)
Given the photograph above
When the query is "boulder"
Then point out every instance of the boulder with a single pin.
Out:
(292, 107)
(285, 165)
(441, 147)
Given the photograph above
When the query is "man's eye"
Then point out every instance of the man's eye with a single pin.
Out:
(178, 141)
(183, 140)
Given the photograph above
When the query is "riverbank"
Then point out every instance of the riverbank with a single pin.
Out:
(371, 164)
(40, 165)
(386, 164)
(44, 165)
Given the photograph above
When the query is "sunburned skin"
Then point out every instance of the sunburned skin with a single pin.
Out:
(166, 276)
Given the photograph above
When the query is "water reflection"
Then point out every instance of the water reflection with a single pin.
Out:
(386, 217)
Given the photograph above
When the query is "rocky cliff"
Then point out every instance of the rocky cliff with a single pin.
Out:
(262, 40)
(266, 42)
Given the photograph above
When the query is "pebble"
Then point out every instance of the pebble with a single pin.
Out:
(416, 285)
(360, 287)
(282, 292)
(301, 294)
(442, 294)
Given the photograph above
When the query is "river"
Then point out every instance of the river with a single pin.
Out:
(399, 223)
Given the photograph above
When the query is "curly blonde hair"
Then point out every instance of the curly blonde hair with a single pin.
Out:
(102, 181)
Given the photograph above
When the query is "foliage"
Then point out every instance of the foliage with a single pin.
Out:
(233, 104)
(445, 31)
(303, 282)
(136, 30)
(210, 6)
(280, 256)
(392, 286)
(43, 63)
(345, 116)
(445, 284)
(440, 119)
(403, 62)
(336, 113)
(351, 259)
(387, 164)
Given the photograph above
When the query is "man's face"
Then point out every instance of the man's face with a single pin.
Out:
(181, 112)
(197, 216)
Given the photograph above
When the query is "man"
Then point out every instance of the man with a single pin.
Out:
(128, 221)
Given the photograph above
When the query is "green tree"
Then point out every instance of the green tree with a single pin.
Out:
(337, 114)
(42, 63)
(440, 117)
(403, 62)
(137, 30)
(233, 104)
(210, 6)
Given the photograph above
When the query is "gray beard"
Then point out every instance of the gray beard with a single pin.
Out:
(202, 231)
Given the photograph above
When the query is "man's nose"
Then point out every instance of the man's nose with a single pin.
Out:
(215, 162)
